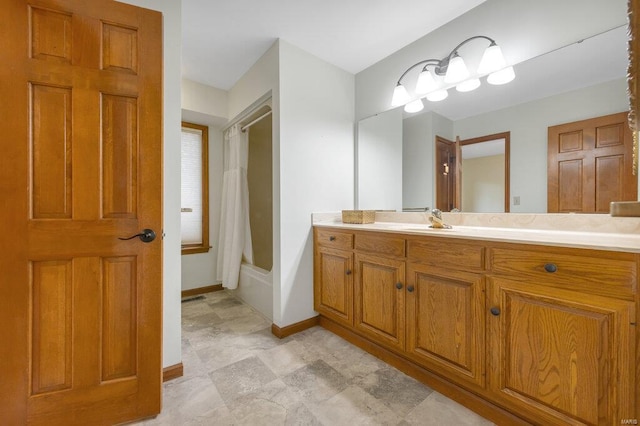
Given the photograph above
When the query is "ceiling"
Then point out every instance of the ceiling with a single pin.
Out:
(222, 39)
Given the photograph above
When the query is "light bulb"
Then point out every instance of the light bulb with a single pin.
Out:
(492, 60)
(414, 106)
(456, 70)
(501, 77)
(469, 85)
(438, 95)
(426, 83)
(400, 96)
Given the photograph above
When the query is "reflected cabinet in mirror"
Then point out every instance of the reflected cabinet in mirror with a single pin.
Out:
(580, 75)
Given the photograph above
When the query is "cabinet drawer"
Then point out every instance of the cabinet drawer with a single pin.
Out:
(443, 252)
(382, 244)
(603, 273)
(334, 239)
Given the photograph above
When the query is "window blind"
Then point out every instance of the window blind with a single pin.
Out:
(191, 189)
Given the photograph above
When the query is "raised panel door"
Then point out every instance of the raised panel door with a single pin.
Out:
(81, 166)
(445, 321)
(379, 299)
(333, 284)
(564, 357)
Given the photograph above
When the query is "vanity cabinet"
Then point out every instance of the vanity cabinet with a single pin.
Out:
(333, 275)
(562, 334)
(445, 322)
(380, 299)
(563, 356)
(518, 332)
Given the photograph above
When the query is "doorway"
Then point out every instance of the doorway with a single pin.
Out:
(484, 173)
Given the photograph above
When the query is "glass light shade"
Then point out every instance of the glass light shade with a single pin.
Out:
(414, 106)
(469, 85)
(426, 83)
(456, 71)
(400, 96)
(492, 60)
(438, 95)
(501, 77)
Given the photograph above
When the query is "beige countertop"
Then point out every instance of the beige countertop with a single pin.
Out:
(613, 241)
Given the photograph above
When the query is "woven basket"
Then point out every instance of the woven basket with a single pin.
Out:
(358, 216)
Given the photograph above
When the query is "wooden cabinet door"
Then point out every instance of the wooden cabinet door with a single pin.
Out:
(81, 167)
(333, 289)
(564, 357)
(379, 299)
(445, 321)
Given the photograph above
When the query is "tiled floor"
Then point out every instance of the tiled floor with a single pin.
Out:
(237, 373)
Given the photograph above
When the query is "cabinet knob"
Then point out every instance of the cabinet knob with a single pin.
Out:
(398, 286)
(550, 267)
(495, 311)
(332, 238)
(348, 272)
(410, 289)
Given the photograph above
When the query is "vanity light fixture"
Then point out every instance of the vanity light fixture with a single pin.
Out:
(452, 71)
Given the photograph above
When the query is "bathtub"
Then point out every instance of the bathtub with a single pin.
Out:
(255, 287)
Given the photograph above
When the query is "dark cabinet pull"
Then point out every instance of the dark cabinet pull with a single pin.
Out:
(332, 238)
(495, 311)
(550, 267)
(410, 288)
(348, 272)
(399, 286)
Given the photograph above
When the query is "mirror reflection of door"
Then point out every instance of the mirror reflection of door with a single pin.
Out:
(484, 174)
(445, 169)
(590, 165)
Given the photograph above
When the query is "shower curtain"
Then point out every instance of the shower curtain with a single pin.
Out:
(235, 231)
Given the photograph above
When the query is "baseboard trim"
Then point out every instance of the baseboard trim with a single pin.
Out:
(283, 332)
(470, 400)
(201, 290)
(172, 372)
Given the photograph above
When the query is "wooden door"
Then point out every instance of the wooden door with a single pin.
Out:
(590, 165)
(379, 299)
(333, 289)
(445, 321)
(445, 168)
(562, 354)
(80, 166)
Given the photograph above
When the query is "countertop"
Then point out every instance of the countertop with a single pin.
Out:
(623, 242)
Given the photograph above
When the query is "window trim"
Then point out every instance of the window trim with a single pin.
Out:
(204, 246)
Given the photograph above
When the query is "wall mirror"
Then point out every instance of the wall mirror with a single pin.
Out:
(583, 79)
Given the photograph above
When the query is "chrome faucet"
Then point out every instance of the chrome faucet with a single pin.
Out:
(436, 220)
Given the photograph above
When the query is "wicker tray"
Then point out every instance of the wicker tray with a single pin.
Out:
(358, 216)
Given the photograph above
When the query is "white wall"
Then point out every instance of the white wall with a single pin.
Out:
(205, 99)
(550, 23)
(316, 168)
(171, 341)
(379, 162)
(528, 125)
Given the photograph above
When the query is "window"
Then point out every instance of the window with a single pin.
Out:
(194, 209)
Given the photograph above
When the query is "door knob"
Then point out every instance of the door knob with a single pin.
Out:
(146, 236)
(398, 286)
(495, 311)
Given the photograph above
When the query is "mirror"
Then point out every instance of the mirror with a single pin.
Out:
(581, 80)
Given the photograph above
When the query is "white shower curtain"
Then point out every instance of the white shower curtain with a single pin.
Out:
(235, 231)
